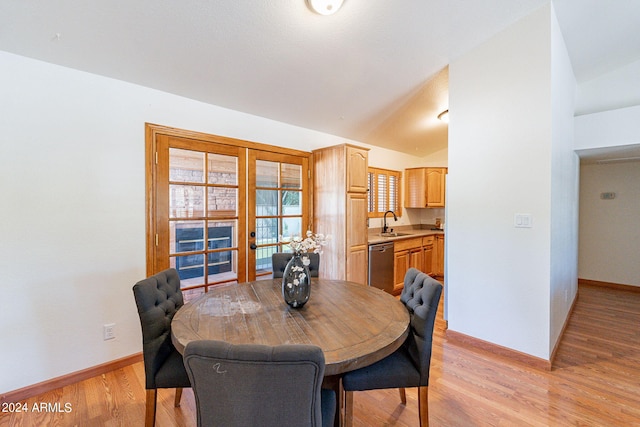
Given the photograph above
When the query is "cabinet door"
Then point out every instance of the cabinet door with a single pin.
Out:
(400, 267)
(428, 259)
(357, 266)
(357, 233)
(415, 184)
(357, 238)
(435, 187)
(416, 258)
(357, 163)
(424, 187)
(438, 259)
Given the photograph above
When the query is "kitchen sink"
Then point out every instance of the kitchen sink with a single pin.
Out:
(393, 234)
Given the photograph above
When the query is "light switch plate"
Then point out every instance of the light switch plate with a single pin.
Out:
(523, 221)
(109, 331)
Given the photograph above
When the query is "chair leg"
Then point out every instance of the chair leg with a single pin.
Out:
(178, 397)
(150, 413)
(348, 408)
(423, 406)
(403, 396)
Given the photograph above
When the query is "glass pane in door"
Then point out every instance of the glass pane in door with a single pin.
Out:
(291, 202)
(222, 169)
(186, 166)
(187, 201)
(292, 227)
(186, 236)
(267, 202)
(291, 176)
(221, 202)
(267, 173)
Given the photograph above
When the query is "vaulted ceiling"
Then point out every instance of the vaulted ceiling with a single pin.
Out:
(374, 72)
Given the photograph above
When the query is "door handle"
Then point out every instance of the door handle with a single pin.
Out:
(253, 246)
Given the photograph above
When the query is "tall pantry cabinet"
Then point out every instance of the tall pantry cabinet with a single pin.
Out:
(340, 209)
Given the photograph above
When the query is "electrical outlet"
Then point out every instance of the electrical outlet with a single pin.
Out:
(109, 331)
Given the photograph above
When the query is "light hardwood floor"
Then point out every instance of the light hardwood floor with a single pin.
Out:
(595, 381)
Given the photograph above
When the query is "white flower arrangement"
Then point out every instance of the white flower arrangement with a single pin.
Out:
(311, 243)
(298, 273)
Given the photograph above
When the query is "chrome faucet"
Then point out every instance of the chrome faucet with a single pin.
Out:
(385, 228)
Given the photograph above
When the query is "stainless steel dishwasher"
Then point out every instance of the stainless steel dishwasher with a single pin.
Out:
(381, 266)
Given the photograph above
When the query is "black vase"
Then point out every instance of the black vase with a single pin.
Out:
(295, 281)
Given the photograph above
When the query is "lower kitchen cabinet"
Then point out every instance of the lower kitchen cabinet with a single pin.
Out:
(428, 255)
(424, 253)
(400, 267)
(407, 253)
(438, 256)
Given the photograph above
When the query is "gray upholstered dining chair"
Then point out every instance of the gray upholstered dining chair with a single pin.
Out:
(251, 384)
(158, 298)
(279, 261)
(409, 365)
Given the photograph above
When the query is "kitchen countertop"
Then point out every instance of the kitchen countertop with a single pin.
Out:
(408, 232)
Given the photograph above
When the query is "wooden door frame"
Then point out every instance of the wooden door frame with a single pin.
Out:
(152, 132)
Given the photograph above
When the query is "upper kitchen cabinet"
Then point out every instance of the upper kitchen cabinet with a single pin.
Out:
(424, 187)
(340, 209)
(357, 165)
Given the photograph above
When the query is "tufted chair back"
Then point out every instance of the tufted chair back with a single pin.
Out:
(279, 261)
(252, 384)
(421, 296)
(158, 298)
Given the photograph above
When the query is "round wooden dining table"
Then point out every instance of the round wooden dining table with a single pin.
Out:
(355, 325)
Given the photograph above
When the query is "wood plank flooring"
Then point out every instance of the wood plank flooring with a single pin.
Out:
(595, 382)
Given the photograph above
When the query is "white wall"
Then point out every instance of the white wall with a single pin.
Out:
(611, 91)
(608, 129)
(72, 188)
(564, 187)
(609, 231)
(501, 131)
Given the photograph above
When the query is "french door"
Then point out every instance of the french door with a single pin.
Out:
(217, 207)
(278, 205)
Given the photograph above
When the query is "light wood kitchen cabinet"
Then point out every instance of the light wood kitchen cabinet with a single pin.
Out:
(400, 267)
(407, 253)
(416, 258)
(357, 242)
(428, 252)
(424, 187)
(438, 256)
(340, 209)
(424, 253)
(357, 167)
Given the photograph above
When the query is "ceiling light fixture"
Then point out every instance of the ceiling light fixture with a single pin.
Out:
(325, 7)
(444, 116)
